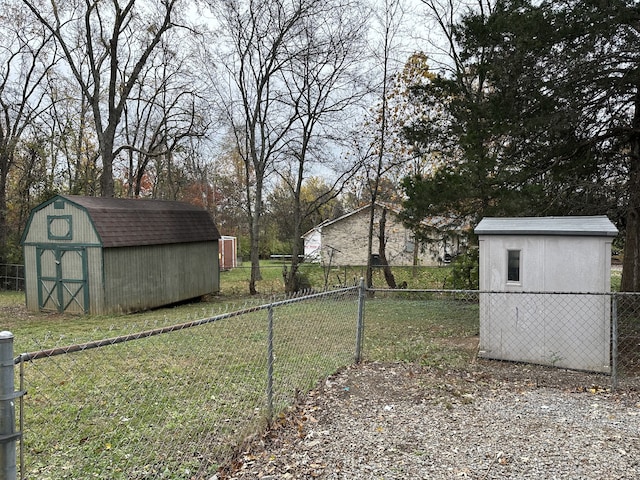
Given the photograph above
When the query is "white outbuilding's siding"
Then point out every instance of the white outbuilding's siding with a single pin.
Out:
(539, 322)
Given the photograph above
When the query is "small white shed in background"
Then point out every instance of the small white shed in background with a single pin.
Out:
(528, 268)
(228, 252)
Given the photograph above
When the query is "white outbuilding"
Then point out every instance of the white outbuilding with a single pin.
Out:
(543, 282)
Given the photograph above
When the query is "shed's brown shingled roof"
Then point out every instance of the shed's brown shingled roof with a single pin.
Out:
(124, 222)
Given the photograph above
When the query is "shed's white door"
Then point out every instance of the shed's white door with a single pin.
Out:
(62, 279)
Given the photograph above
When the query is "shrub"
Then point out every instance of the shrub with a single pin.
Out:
(465, 270)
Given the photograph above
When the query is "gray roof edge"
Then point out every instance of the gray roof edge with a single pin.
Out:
(596, 225)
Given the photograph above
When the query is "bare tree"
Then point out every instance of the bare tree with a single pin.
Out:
(389, 21)
(261, 42)
(229, 202)
(27, 57)
(324, 83)
(72, 153)
(116, 39)
(165, 111)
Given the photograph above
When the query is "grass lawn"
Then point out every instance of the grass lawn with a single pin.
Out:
(172, 405)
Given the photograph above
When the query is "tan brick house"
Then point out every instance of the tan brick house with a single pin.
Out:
(343, 241)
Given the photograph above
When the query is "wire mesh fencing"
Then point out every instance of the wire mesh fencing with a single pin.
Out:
(596, 333)
(626, 336)
(175, 401)
(566, 330)
(587, 332)
(11, 277)
(433, 327)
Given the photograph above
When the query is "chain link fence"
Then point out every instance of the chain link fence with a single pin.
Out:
(625, 337)
(595, 333)
(177, 401)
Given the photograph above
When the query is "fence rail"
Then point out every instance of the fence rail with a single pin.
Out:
(176, 401)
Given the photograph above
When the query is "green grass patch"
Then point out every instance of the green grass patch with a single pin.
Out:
(235, 282)
(168, 406)
(616, 279)
(433, 330)
(173, 405)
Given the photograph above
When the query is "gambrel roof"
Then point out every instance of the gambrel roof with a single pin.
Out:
(123, 222)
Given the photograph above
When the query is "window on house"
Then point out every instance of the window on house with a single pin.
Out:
(513, 266)
(409, 245)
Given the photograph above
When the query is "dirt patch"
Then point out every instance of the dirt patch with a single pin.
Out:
(490, 420)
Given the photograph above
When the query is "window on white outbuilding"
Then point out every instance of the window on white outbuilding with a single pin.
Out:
(513, 265)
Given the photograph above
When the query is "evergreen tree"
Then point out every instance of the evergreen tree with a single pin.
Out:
(543, 116)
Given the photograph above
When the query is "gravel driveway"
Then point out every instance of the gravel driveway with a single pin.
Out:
(491, 421)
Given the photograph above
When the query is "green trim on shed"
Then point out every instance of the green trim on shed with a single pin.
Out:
(100, 255)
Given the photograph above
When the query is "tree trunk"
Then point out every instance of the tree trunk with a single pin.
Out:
(255, 255)
(106, 142)
(382, 245)
(5, 162)
(254, 237)
(291, 279)
(369, 273)
(106, 178)
(631, 261)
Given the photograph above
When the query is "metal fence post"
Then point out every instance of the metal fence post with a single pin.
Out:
(270, 363)
(614, 342)
(8, 435)
(360, 323)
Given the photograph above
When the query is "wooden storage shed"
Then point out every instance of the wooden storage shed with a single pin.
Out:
(101, 255)
(553, 272)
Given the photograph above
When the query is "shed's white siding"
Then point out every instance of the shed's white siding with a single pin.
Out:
(548, 263)
(538, 320)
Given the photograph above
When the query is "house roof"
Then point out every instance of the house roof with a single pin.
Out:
(434, 222)
(123, 222)
(598, 225)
